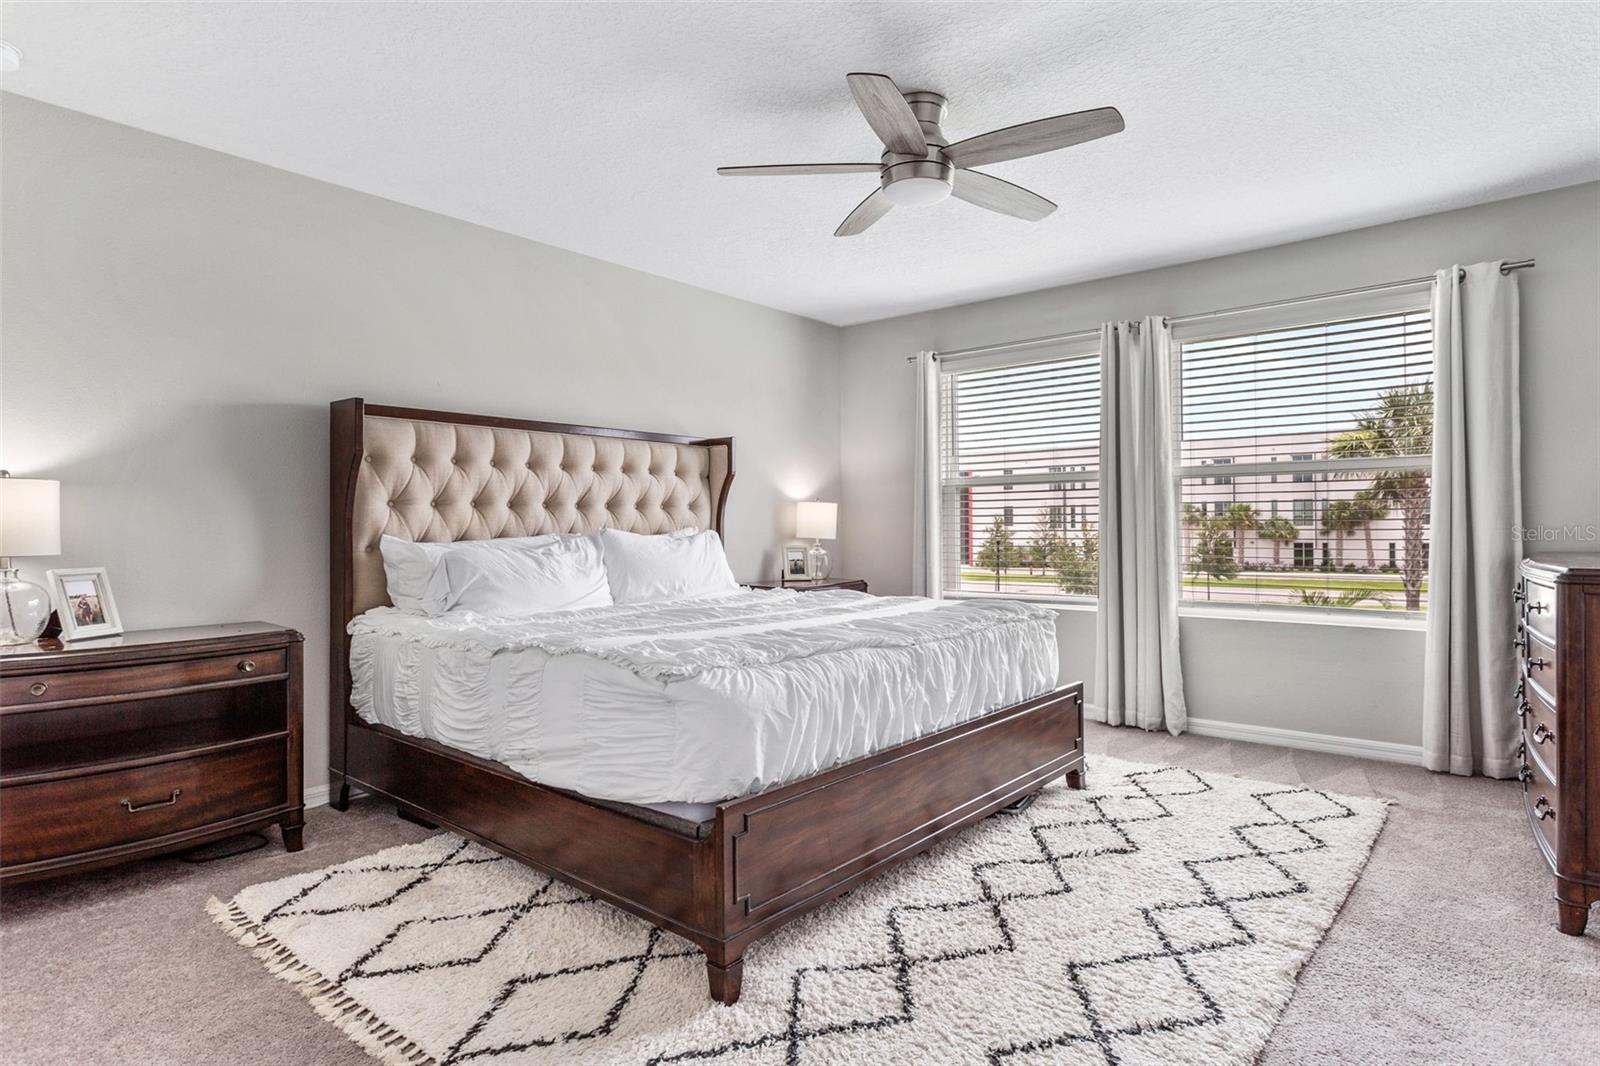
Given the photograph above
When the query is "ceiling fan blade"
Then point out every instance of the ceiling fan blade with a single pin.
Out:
(996, 194)
(887, 112)
(800, 168)
(1032, 138)
(866, 213)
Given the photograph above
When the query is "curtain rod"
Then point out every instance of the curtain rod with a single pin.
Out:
(1505, 268)
(1082, 334)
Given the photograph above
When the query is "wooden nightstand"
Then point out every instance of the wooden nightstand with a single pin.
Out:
(121, 747)
(853, 583)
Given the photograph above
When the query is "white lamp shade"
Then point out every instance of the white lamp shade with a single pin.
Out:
(815, 520)
(30, 516)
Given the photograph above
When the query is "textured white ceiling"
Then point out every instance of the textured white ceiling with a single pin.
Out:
(597, 127)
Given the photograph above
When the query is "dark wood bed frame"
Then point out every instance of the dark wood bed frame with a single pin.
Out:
(764, 859)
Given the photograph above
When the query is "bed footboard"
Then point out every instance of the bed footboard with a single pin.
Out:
(787, 851)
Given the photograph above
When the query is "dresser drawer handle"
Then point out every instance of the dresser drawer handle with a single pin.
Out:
(169, 801)
(1517, 595)
(247, 665)
(1525, 773)
(1538, 664)
(1537, 608)
(1522, 707)
(1543, 810)
(1543, 734)
(39, 688)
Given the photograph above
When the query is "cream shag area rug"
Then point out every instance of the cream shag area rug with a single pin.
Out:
(1159, 917)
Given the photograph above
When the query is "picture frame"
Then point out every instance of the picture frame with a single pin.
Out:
(84, 603)
(796, 562)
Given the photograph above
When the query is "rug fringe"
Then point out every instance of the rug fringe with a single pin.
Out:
(327, 998)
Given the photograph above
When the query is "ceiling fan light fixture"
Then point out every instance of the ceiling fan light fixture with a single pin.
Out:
(917, 184)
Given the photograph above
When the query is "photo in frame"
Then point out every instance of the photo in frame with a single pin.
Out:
(84, 603)
(796, 561)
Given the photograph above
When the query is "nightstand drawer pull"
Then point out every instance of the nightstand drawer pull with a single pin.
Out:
(248, 665)
(39, 688)
(1538, 664)
(1542, 809)
(133, 808)
(1543, 734)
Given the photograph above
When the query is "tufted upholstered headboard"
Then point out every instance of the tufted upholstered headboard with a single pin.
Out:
(439, 476)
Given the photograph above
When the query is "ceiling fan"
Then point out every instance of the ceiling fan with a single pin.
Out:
(920, 166)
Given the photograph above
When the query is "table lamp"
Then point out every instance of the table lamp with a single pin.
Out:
(817, 521)
(30, 524)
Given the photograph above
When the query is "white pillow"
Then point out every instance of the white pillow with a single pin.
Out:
(642, 568)
(523, 575)
(408, 567)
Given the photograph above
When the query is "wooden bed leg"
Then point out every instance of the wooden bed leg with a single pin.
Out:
(339, 794)
(1075, 778)
(725, 980)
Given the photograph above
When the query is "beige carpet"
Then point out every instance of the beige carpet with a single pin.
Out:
(1445, 951)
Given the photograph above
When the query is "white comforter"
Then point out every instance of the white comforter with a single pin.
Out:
(697, 701)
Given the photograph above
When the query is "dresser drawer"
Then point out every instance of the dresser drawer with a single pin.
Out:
(1543, 799)
(82, 814)
(1539, 729)
(1539, 610)
(1539, 663)
(44, 690)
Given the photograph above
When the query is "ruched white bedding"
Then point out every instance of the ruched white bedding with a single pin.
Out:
(697, 701)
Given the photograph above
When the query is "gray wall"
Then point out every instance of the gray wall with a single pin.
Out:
(1338, 680)
(176, 320)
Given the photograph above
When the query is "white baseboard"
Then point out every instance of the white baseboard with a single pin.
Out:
(317, 797)
(1380, 750)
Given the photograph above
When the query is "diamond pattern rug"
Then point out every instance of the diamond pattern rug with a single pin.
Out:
(1159, 917)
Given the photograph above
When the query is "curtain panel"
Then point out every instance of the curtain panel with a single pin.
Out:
(925, 478)
(1138, 675)
(1469, 665)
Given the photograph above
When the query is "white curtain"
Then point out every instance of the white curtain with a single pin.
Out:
(1137, 674)
(1469, 666)
(925, 466)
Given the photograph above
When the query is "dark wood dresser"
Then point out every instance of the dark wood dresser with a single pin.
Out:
(117, 748)
(1558, 700)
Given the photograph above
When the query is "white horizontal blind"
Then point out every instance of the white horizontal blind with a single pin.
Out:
(1304, 458)
(1019, 446)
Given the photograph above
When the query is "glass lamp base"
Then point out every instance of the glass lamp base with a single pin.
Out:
(821, 564)
(24, 609)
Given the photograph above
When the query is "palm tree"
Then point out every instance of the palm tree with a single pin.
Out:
(1339, 518)
(1240, 517)
(1347, 598)
(1401, 425)
(1371, 510)
(1280, 531)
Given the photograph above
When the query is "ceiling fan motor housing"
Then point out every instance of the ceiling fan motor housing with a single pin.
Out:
(920, 179)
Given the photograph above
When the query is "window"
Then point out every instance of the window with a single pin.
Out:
(1348, 401)
(1010, 426)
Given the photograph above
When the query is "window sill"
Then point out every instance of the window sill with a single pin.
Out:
(1404, 621)
(1401, 620)
(1058, 603)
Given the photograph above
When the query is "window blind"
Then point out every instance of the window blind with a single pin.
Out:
(1304, 456)
(1019, 443)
